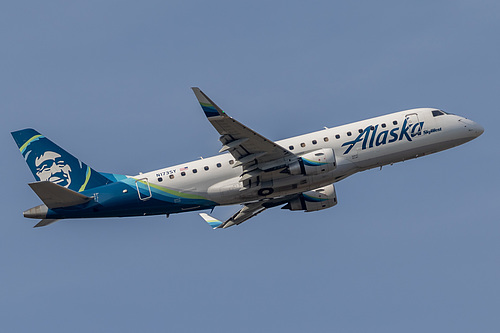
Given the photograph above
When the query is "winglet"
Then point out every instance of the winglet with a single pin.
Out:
(214, 223)
(209, 107)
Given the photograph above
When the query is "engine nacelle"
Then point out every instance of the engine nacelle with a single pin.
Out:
(314, 163)
(318, 199)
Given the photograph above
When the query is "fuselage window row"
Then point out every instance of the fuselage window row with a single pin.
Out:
(291, 147)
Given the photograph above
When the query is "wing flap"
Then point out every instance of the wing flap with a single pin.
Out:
(246, 212)
(232, 144)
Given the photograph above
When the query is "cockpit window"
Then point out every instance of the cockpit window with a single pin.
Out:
(436, 113)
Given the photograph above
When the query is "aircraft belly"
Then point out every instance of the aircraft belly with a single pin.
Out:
(232, 192)
(151, 207)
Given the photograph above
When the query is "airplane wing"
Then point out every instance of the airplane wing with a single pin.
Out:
(246, 212)
(248, 147)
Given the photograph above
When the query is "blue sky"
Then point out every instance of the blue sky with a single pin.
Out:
(411, 248)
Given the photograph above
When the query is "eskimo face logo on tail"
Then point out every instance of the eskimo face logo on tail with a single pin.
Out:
(372, 138)
(52, 167)
(48, 162)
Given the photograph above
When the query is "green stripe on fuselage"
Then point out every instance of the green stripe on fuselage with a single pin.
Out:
(174, 193)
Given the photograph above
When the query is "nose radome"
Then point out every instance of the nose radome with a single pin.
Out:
(473, 127)
(479, 129)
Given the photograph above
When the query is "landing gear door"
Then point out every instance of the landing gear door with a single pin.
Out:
(143, 189)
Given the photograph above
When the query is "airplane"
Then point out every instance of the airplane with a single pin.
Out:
(251, 170)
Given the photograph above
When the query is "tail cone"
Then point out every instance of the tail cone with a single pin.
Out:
(38, 212)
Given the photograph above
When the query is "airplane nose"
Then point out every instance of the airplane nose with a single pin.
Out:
(479, 129)
(472, 127)
(475, 128)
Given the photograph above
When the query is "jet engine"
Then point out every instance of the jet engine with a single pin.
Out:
(310, 201)
(314, 163)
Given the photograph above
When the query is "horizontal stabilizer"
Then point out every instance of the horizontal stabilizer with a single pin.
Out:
(214, 223)
(56, 196)
(45, 222)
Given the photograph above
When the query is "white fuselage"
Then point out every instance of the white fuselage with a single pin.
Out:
(373, 142)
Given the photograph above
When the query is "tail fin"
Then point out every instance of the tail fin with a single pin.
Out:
(49, 162)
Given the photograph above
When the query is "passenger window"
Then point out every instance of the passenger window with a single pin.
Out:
(302, 144)
(314, 142)
(383, 125)
(219, 165)
(231, 162)
(360, 130)
(372, 128)
(337, 136)
(183, 173)
(206, 168)
(171, 176)
(160, 179)
(290, 147)
(395, 122)
(349, 133)
(325, 139)
(195, 171)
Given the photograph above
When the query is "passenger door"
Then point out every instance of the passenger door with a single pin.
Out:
(143, 189)
(412, 118)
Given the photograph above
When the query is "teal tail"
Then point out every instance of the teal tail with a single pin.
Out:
(49, 162)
